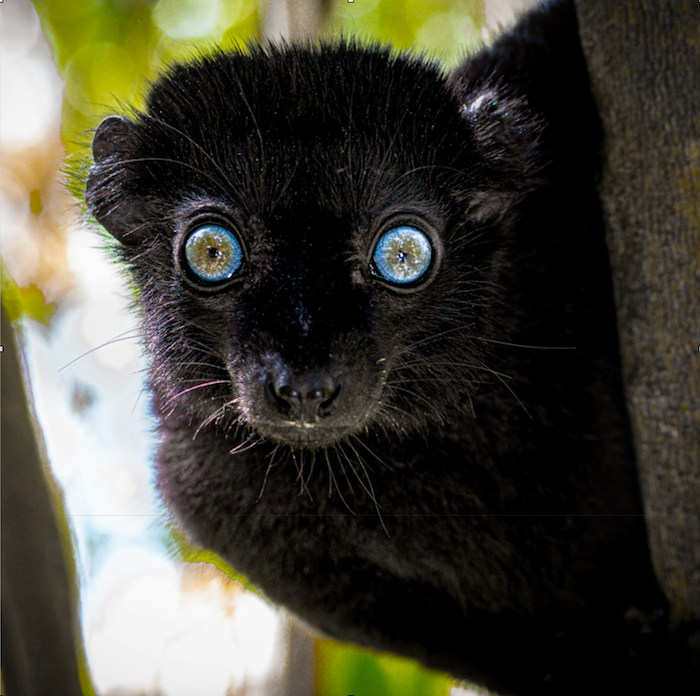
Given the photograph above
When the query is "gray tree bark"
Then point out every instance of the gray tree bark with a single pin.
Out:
(294, 20)
(644, 63)
(40, 632)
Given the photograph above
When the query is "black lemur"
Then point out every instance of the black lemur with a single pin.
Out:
(382, 345)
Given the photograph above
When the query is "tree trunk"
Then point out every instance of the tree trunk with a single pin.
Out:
(294, 20)
(644, 63)
(40, 632)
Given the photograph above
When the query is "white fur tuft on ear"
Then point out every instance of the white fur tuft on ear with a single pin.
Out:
(478, 102)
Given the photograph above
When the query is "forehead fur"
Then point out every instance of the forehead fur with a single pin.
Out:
(274, 87)
(295, 126)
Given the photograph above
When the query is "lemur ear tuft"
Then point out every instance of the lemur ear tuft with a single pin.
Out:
(480, 104)
(507, 135)
(112, 192)
(503, 124)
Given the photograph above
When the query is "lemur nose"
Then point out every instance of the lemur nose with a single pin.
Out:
(305, 398)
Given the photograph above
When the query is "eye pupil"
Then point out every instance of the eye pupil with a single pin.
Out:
(213, 253)
(403, 255)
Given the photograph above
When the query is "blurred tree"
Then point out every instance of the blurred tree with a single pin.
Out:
(40, 633)
(644, 62)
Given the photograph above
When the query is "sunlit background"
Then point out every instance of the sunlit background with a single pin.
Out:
(158, 617)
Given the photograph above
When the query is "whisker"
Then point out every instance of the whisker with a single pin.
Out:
(426, 401)
(311, 469)
(522, 345)
(432, 337)
(374, 454)
(253, 440)
(211, 383)
(267, 472)
(300, 472)
(510, 389)
(332, 480)
(117, 339)
(449, 363)
(211, 417)
(142, 391)
(369, 488)
(338, 451)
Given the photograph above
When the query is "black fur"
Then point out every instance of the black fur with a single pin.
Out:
(442, 470)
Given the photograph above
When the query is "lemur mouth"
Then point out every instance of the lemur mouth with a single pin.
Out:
(305, 435)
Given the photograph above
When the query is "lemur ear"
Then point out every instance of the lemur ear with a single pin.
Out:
(504, 127)
(112, 192)
(507, 135)
(112, 131)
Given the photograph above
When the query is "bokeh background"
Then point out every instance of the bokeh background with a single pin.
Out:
(158, 617)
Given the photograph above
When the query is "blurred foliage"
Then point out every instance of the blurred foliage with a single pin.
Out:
(443, 29)
(342, 670)
(24, 303)
(107, 50)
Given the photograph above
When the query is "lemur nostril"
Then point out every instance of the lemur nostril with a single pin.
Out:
(305, 397)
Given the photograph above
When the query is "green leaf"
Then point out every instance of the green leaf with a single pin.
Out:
(24, 303)
(345, 670)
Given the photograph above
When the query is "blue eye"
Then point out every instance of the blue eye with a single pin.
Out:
(213, 253)
(403, 255)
